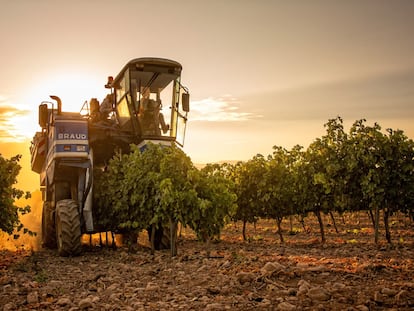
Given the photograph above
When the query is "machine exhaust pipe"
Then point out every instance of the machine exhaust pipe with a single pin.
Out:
(59, 103)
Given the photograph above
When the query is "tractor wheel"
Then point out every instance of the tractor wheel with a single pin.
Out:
(48, 227)
(68, 231)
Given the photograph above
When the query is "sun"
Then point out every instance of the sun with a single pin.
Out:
(73, 89)
(21, 123)
(23, 126)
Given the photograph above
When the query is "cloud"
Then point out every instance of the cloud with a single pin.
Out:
(13, 121)
(222, 109)
(383, 96)
(296, 115)
(6, 111)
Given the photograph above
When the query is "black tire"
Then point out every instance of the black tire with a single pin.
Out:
(48, 227)
(68, 231)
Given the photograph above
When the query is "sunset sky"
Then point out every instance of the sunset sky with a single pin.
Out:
(260, 73)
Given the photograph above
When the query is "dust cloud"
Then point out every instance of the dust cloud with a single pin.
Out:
(31, 221)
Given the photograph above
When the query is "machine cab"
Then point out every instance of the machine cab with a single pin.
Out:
(150, 101)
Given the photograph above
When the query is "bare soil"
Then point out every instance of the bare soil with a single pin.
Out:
(348, 272)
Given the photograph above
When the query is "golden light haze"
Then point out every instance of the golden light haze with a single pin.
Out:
(260, 73)
(31, 221)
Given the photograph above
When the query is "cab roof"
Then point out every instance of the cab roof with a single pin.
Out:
(150, 64)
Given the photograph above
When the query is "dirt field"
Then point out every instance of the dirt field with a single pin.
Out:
(348, 272)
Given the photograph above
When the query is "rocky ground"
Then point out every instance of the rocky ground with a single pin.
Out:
(348, 272)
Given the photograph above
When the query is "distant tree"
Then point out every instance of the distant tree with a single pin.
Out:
(380, 172)
(318, 196)
(9, 212)
(216, 201)
(175, 192)
(332, 173)
(296, 160)
(366, 166)
(397, 176)
(277, 192)
(248, 182)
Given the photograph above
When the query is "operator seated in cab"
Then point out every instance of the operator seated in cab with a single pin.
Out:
(150, 116)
